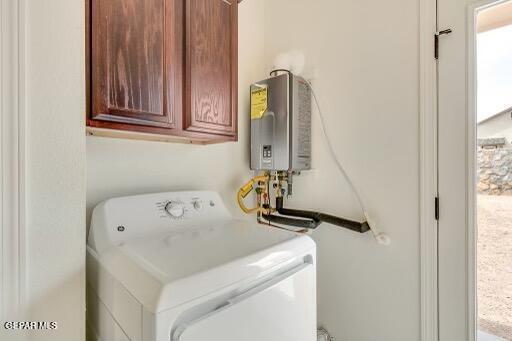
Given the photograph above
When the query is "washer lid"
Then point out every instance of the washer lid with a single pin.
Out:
(167, 269)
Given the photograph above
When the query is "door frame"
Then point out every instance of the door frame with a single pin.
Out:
(428, 172)
(429, 261)
(12, 157)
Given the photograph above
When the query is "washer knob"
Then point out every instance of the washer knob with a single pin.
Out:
(198, 206)
(175, 210)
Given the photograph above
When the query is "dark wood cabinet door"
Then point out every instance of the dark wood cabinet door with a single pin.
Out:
(137, 61)
(211, 66)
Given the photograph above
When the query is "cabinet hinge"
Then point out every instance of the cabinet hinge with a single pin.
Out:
(436, 208)
(436, 41)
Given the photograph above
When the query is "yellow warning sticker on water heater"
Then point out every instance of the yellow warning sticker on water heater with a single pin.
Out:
(259, 102)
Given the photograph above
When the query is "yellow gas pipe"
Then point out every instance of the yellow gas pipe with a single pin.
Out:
(247, 188)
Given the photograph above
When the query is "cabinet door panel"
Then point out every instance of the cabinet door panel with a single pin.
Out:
(211, 57)
(129, 61)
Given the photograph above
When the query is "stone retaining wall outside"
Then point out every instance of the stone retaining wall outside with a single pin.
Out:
(495, 171)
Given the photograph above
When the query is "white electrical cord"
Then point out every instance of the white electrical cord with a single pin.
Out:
(381, 237)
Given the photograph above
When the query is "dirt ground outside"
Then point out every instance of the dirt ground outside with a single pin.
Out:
(495, 265)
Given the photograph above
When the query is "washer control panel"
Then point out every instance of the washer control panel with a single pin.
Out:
(118, 220)
(183, 207)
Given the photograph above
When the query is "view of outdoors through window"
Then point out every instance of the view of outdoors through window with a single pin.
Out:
(494, 183)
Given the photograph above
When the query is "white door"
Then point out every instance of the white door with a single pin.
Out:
(456, 162)
(283, 309)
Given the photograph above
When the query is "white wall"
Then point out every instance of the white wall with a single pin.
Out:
(55, 164)
(365, 54)
(123, 167)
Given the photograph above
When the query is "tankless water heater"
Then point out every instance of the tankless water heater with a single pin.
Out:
(281, 124)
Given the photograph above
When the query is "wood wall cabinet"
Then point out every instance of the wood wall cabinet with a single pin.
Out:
(164, 68)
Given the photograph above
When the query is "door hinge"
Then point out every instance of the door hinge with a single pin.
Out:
(436, 208)
(436, 41)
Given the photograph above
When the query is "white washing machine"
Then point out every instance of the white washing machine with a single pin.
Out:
(177, 266)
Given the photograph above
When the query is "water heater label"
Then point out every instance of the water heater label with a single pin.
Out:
(259, 102)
